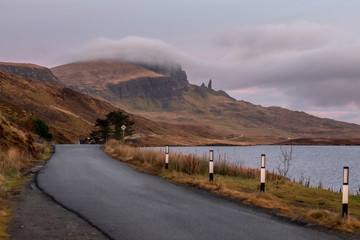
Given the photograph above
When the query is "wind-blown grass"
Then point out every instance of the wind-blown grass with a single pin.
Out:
(185, 163)
(12, 161)
(283, 197)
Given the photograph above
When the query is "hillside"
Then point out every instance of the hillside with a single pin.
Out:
(30, 71)
(18, 154)
(170, 98)
(71, 115)
(13, 137)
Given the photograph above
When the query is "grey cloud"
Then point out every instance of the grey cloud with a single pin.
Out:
(141, 50)
(304, 60)
(258, 41)
(133, 49)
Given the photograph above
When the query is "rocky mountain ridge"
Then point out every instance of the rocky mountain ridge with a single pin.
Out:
(141, 88)
(169, 97)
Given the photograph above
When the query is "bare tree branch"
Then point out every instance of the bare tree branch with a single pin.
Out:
(285, 160)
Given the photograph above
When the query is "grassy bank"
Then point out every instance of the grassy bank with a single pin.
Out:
(12, 162)
(283, 197)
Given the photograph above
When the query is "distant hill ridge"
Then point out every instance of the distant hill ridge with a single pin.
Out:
(30, 71)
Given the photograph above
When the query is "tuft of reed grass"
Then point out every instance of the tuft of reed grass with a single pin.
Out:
(186, 163)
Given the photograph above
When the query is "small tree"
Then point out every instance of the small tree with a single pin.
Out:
(110, 127)
(102, 135)
(117, 119)
(285, 160)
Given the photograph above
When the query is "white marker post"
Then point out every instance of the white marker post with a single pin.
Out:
(262, 173)
(211, 166)
(345, 198)
(123, 127)
(166, 157)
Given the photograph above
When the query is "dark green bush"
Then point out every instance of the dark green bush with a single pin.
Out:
(42, 129)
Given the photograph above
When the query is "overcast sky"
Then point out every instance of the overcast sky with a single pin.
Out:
(302, 55)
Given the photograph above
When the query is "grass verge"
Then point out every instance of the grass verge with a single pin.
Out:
(283, 197)
(12, 161)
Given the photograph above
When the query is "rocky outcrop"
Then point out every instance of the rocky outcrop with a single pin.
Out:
(161, 93)
(30, 71)
(175, 72)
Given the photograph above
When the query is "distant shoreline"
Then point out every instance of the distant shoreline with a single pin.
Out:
(295, 142)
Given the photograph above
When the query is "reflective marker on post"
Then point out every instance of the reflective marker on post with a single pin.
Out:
(262, 173)
(211, 166)
(166, 157)
(345, 197)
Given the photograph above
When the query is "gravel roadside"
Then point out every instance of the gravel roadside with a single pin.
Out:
(37, 216)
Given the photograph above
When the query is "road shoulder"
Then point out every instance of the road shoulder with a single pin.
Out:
(37, 216)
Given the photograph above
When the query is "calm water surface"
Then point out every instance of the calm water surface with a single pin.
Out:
(319, 163)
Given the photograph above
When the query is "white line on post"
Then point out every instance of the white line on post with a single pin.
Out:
(166, 157)
(211, 166)
(262, 173)
(345, 197)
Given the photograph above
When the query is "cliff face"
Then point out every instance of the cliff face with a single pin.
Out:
(133, 86)
(163, 88)
(30, 71)
(166, 87)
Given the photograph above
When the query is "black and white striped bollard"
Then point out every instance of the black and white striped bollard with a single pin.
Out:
(262, 173)
(345, 197)
(166, 157)
(211, 166)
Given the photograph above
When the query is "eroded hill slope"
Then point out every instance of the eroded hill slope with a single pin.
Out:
(164, 94)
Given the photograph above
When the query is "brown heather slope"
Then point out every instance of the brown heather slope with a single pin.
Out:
(68, 113)
(171, 99)
(71, 115)
(13, 137)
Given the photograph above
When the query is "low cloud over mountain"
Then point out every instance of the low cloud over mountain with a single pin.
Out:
(308, 64)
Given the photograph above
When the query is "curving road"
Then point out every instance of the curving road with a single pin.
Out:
(128, 204)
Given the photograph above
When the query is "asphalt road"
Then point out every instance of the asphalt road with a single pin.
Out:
(128, 204)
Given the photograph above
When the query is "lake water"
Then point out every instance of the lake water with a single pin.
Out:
(321, 163)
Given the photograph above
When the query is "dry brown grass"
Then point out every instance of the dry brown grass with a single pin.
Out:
(285, 198)
(186, 163)
(12, 161)
(16, 153)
